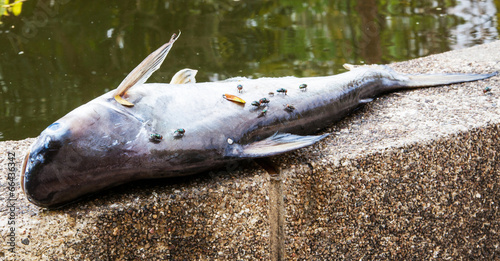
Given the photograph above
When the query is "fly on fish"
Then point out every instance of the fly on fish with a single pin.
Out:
(121, 136)
(156, 137)
(179, 133)
(282, 90)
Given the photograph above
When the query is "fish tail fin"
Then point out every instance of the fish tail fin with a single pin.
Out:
(404, 81)
(428, 80)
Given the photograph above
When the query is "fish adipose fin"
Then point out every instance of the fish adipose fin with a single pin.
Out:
(141, 73)
(428, 80)
(276, 144)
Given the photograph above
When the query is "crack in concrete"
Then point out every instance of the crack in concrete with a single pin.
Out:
(276, 217)
(276, 209)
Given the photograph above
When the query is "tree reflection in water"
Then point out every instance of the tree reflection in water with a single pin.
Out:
(57, 55)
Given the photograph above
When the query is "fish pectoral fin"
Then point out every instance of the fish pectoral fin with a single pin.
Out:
(184, 76)
(276, 144)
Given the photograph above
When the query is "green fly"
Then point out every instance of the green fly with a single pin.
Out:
(282, 90)
(262, 113)
(179, 133)
(264, 100)
(156, 138)
(256, 103)
(289, 108)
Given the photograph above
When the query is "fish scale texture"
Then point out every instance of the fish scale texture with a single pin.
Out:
(411, 175)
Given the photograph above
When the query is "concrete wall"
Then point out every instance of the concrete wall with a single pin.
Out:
(413, 174)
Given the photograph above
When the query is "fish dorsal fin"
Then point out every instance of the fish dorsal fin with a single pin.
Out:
(276, 144)
(184, 76)
(141, 73)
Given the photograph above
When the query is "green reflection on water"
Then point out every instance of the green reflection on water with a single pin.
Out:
(55, 58)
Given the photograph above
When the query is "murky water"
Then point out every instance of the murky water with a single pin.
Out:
(58, 54)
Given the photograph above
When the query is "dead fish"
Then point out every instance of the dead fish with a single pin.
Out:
(102, 143)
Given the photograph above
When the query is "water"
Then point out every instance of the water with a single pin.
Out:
(59, 54)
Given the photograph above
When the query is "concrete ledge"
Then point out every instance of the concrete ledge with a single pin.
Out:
(411, 175)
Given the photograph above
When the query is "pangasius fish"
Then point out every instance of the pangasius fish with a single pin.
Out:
(157, 130)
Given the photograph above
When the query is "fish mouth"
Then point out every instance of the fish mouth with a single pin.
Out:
(36, 168)
(36, 171)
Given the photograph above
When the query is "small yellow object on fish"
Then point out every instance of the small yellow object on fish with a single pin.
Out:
(123, 102)
(233, 98)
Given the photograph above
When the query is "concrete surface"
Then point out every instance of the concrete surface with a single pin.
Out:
(412, 175)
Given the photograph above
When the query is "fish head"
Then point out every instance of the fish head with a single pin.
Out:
(42, 153)
(101, 144)
(77, 153)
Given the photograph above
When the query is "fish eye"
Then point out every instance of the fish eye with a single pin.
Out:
(54, 126)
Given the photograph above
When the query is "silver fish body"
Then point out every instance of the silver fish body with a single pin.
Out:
(102, 144)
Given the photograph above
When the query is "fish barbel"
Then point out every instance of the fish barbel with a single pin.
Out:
(155, 130)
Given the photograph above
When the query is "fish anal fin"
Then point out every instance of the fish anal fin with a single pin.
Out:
(276, 144)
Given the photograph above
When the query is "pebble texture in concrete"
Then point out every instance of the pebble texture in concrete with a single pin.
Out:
(411, 175)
